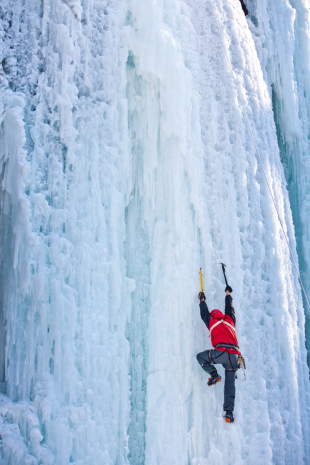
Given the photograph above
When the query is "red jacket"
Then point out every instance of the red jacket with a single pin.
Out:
(222, 329)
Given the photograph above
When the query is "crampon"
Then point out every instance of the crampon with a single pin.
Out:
(229, 418)
(212, 381)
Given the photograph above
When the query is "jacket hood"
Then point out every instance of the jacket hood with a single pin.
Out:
(217, 314)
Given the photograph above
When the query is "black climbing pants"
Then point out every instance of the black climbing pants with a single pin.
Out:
(230, 363)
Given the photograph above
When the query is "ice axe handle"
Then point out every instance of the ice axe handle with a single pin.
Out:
(223, 268)
(201, 280)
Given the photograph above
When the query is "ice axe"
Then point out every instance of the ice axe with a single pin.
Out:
(201, 280)
(201, 294)
(224, 273)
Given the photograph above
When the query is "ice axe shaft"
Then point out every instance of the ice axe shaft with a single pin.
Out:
(201, 280)
(223, 268)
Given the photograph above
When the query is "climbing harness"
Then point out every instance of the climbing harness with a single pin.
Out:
(225, 345)
(232, 368)
(241, 364)
(261, 163)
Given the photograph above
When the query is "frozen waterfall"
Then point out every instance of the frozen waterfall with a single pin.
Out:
(126, 165)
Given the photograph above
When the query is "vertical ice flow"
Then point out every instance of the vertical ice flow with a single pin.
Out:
(285, 64)
(126, 165)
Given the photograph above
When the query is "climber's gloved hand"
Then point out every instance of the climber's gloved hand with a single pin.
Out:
(201, 296)
(228, 288)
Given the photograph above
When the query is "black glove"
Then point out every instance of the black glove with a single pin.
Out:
(228, 288)
(201, 296)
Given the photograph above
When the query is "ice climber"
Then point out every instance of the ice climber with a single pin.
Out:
(226, 350)
(245, 10)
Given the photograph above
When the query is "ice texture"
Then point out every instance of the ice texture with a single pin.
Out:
(126, 165)
(286, 68)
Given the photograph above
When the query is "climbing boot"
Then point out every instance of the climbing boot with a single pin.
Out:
(214, 379)
(229, 418)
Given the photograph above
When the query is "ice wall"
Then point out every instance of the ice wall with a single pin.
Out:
(127, 165)
(283, 49)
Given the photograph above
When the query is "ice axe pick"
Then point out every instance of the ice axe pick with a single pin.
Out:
(223, 268)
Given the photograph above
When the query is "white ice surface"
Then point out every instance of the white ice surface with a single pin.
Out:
(126, 165)
(285, 60)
